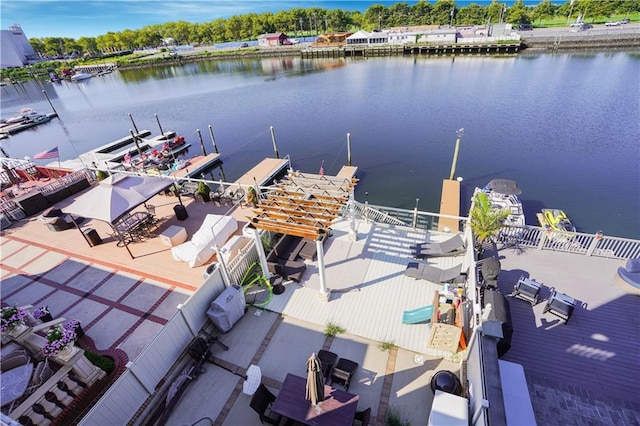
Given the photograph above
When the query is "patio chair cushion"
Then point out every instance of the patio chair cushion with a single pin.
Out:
(15, 359)
(215, 230)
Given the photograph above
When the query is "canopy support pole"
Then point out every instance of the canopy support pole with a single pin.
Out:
(261, 255)
(324, 291)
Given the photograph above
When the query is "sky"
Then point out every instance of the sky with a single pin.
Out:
(91, 18)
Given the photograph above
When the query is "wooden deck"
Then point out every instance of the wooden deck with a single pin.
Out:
(598, 350)
(449, 205)
(263, 172)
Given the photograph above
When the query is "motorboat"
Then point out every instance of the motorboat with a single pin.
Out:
(24, 114)
(78, 76)
(556, 219)
(503, 195)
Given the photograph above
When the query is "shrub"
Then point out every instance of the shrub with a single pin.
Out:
(332, 330)
(105, 363)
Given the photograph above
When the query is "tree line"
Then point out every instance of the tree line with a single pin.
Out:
(312, 21)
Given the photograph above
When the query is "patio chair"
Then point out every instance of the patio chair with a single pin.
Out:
(261, 402)
(343, 372)
(328, 359)
(363, 417)
(560, 305)
(490, 269)
(431, 273)
(451, 247)
(527, 289)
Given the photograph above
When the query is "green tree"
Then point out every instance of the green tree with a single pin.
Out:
(494, 11)
(338, 20)
(38, 46)
(441, 12)
(421, 13)
(233, 28)
(399, 15)
(88, 45)
(517, 13)
(544, 10)
(472, 14)
(485, 221)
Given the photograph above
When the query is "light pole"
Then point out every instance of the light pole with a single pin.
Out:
(459, 134)
(451, 23)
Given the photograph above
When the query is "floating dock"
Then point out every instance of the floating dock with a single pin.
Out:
(449, 205)
(264, 172)
(12, 129)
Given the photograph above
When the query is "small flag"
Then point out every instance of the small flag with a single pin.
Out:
(322, 168)
(45, 155)
(127, 157)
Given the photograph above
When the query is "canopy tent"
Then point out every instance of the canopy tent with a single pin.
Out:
(116, 196)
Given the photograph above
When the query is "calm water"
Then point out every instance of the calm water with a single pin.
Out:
(564, 126)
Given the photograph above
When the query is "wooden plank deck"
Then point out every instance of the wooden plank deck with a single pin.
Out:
(599, 348)
(263, 172)
(449, 205)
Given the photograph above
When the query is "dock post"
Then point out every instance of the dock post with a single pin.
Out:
(134, 123)
(204, 152)
(158, 120)
(50, 104)
(348, 149)
(459, 133)
(213, 140)
(273, 139)
(135, 139)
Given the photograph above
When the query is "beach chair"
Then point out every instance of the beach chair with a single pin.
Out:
(431, 273)
(452, 247)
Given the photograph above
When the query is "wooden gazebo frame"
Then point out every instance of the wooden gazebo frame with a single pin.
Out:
(303, 205)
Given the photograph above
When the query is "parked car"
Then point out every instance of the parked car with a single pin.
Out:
(612, 24)
(524, 27)
(287, 43)
(625, 21)
(244, 45)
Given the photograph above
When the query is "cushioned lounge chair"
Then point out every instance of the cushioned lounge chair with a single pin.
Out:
(431, 273)
(451, 247)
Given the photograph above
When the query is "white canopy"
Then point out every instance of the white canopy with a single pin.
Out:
(115, 196)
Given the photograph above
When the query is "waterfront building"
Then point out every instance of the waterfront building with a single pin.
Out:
(16, 49)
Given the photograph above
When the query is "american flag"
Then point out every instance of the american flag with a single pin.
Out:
(45, 155)
(127, 157)
(322, 168)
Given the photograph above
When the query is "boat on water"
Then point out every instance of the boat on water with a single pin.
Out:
(556, 219)
(10, 129)
(503, 195)
(23, 115)
(78, 76)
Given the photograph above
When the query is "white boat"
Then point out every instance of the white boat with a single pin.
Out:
(503, 195)
(24, 114)
(80, 76)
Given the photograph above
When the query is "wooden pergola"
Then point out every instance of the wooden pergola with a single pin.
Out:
(303, 205)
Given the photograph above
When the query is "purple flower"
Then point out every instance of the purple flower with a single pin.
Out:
(71, 324)
(11, 317)
(58, 338)
(40, 312)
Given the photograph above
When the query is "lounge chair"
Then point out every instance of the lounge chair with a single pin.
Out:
(451, 247)
(215, 230)
(431, 273)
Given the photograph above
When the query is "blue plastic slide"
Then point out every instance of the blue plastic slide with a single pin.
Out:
(414, 316)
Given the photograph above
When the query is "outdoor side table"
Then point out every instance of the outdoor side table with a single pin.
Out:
(173, 235)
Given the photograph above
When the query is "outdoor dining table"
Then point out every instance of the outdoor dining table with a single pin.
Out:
(338, 408)
(14, 383)
(134, 226)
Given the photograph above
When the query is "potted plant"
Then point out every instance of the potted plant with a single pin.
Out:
(59, 339)
(75, 326)
(43, 314)
(252, 196)
(13, 318)
(485, 221)
(204, 191)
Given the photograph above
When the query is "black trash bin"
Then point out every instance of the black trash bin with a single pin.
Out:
(92, 236)
(446, 381)
(181, 212)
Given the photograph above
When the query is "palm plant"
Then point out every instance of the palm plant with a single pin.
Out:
(486, 221)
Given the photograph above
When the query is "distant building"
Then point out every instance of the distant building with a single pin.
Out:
(15, 51)
(271, 40)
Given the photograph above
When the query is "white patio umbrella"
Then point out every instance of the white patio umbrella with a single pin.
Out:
(315, 380)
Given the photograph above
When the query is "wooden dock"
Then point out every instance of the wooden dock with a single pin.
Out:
(449, 205)
(264, 172)
(347, 172)
(197, 165)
